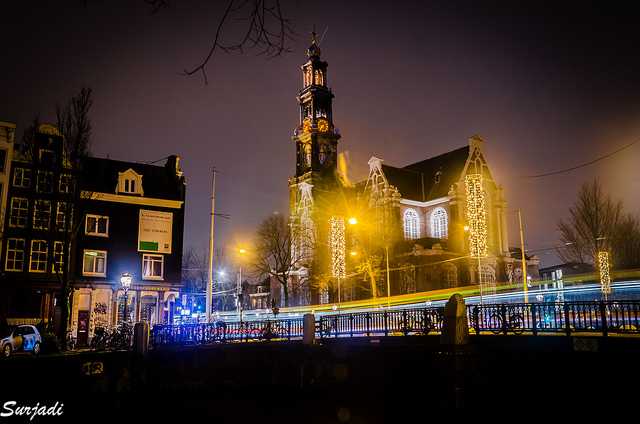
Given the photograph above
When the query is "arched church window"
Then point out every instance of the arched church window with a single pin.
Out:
(307, 77)
(307, 154)
(450, 275)
(439, 223)
(487, 274)
(411, 224)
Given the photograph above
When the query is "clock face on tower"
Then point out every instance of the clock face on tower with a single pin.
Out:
(323, 125)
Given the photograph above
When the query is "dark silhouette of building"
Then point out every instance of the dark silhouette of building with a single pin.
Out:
(125, 218)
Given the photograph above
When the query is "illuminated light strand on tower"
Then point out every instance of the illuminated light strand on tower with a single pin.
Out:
(476, 216)
(337, 244)
(605, 276)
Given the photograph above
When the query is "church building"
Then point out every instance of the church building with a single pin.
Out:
(437, 223)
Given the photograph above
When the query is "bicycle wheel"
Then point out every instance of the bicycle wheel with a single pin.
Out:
(516, 323)
(495, 324)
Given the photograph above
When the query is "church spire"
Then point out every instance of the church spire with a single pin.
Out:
(314, 50)
(315, 136)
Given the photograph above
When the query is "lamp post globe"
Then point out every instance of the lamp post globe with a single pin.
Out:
(125, 282)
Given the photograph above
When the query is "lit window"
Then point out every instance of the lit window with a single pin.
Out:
(411, 224)
(58, 257)
(41, 214)
(152, 267)
(19, 212)
(65, 183)
(324, 295)
(94, 263)
(96, 225)
(44, 182)
(15, 255)
(47, 157)
(39, 252)
(487, 274)
(61, 216)
(22, 177)
(130, 182)
(307, 76)
(439, 225)
(450, 274)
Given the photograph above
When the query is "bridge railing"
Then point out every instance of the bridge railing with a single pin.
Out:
(383, 323)
(220, 332)
(566, 317)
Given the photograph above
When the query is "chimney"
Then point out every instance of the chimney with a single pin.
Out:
(173, 165)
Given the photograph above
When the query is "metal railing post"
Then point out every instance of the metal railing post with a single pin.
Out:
(335, 322)
(350, 325)
(503, 313)
(476, 318)
(567, 322)
(368, 316)
(603, 319)
(405, 325)
(289, 330)
(386, 324)
(534, 324)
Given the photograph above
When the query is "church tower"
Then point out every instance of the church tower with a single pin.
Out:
(315, 178)
(316, 138)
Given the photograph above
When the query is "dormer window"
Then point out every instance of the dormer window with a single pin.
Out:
(129, 186)
(130, 182)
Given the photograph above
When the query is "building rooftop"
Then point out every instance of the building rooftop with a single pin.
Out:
(158, 181)
(430, 178)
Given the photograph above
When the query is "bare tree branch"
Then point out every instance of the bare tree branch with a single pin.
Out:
(598, 223)
(266, 29)
(280, 250)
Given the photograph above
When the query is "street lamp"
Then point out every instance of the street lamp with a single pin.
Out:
(125, 282)
(242, 251)
(354, 221)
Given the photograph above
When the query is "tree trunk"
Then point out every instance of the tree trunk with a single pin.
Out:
(285, 291)
(372, 280)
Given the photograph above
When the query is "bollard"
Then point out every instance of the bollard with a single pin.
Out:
(455, 333)
(141, 337)
(309, 329)
(455, 330)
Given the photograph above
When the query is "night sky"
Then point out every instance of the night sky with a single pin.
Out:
(546, 88)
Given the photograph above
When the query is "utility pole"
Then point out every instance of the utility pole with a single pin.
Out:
(211, 236)
(386, 250)
(525, 287)
(239, 297)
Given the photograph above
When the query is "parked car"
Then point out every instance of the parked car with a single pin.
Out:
(25, 338)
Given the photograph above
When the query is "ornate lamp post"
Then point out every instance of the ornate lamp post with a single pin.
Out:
(239, 298)
(125, 282)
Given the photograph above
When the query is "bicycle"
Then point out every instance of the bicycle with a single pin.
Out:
(99, 339)
(514, 323)
(70, 341)
(120, 338)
